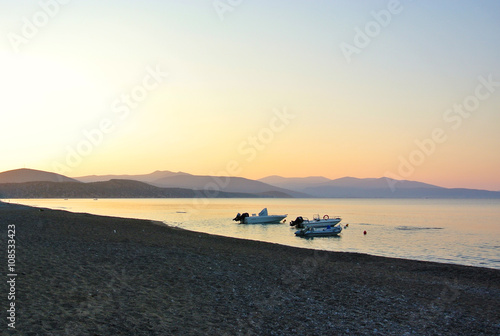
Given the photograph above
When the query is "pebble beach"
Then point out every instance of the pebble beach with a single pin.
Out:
(81, 274)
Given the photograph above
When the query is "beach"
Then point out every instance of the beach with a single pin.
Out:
(81, 274)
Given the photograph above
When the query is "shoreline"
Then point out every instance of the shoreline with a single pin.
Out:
(163, 224)
(470, 259)
(82, 273)
(489, 263)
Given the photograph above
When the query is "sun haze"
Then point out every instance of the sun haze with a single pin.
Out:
(404, 89)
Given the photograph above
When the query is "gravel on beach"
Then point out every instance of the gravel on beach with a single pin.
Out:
(80, 274)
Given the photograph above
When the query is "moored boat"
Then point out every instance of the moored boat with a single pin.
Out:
(317, 222)
(319, 231)
(262, 218)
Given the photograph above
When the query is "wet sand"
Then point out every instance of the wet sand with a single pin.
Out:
(79, 274)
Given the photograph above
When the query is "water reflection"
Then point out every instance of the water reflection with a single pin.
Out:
(416, 229)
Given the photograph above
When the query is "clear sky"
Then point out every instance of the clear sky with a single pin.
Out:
(406, 89)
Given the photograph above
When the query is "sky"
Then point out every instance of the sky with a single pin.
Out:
(404, 89)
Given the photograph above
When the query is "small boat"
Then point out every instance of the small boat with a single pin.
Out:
(262, 218)
(319, 231)
(317, 222)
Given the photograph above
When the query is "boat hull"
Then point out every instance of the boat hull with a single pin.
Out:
(301, 223)
(273, 219)
(319, 232)
(320, 223)
(262, 218)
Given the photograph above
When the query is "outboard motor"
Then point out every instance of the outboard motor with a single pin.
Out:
(297, 222)
(241, 217)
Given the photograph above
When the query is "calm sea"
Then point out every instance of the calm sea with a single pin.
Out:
(463, 232)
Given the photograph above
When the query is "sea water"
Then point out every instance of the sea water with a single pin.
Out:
(456, 231)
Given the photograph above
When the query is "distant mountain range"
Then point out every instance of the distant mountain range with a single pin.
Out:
(108, 189)
(208, 184)
(143, 178)
(28, 183)
(350, 187)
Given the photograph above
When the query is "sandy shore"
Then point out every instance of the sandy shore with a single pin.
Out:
(79, 274)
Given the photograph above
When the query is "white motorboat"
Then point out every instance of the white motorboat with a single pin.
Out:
(319, 231)
(317, 222)
(262, 218)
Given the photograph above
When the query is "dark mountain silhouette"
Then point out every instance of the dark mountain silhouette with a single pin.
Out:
(294, 183)
(108, 189)
(204, 183)
(32, 175)
(223, 183)
(142, 178)
(29, 183)
(350, 187)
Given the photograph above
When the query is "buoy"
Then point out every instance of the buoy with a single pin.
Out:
(347, 225)
(364, 232)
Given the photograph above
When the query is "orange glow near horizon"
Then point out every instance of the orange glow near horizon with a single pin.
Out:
(170, 86)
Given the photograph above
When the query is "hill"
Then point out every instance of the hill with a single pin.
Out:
(223, 183)
(350, 187)
(32, 175)
(142, 178)
(205, 183)
(30, 183)
(294, 183)
(108, 189)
